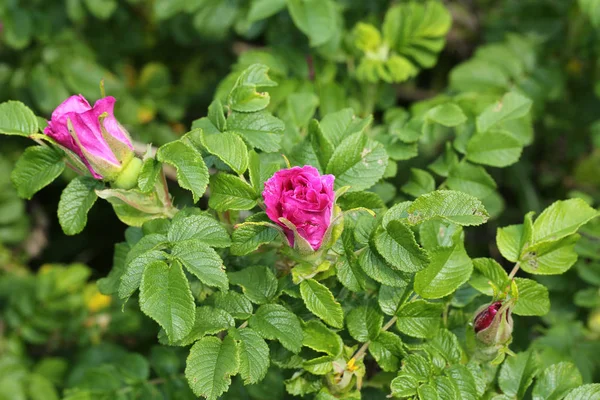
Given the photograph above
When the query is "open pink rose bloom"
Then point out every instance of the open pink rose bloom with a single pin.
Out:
(96, 137)
(305, 198)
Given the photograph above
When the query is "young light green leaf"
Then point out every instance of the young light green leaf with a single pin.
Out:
(201, 261)
(315, 18)
(258, 283)
(445, 162)
(397, 244)
(456, 207)
(258, 129)
(494, 148)
(210, 365)
(229, 192)
(364, 323)
(556, 381)
(508, 240)
(419, 318)
(487, 270)
(229, 148)
(339, 125)
(562, 218)
(149, 174)
(517, 373)
(192, 173)
(17, 119)
(449, 268)
(320, 301)
(253, 354)
(165, 296)
(319, 337)
(275, 322)
(421, 182)
(216, 115)
(37, 167)
(448, 114)
(244, 97)
(511, 106)
(358, 162)
(75, 201)
(262, 9)
(550, 258)
(471, 179)
(533, 298)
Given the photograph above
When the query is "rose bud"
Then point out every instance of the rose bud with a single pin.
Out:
(493, 324)
(96, 138)
(302, 203)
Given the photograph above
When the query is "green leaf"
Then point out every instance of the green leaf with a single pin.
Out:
(339, 125)
(17, 119)
(391, 298)
(550, 258)
(253, 355)
(101, 9)
(533, 298)
(398, 246)
(208, 321)
(511, 106)
(244, 97)
(456, 207)
(364, 323)
(487, 270)
(446, 390)
(249, 236)
(376, 268)
(561, 219)
(590, 391)
(494, 148)
(262, 9)
(436, 233)
(75, 201)
(556, 381)
(258, 129)
(445, 162)
(358, 162)
(404, 385)
(260, 169)
(149, 174)
(141, 254)
(320, 301)
(36, 169)
(471, 179)
(210, 365)
(315, 18)
(449, 268)
(419, 318)
(229, 192)
(234, 303)
(421, 182)
(192, 173)
(464, 381)
(447, 114)
(517, 373)
(40, 388)
(165, 296)
(199, 227)
(301, 107)
(258, 283)
(202, 261)
(229, 148)
(275, 322)
(508, 240)
(216, 115)
(319, 337)
(387, 350)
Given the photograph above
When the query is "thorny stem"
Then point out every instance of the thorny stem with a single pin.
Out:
(361, 352)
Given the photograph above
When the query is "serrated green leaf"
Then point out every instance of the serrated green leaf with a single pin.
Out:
(258, 129)
(533, 298)
(419, 318)
(275, 322)
(471, 179)
(249, 236)
(339, 125)
(404, 385)
(391, 298)
(494, 148)
(456, 207)
(210, 365)
(253, 355)
(37, 167)
(436, 233)
(208, 321)
(550, 258)
(315, 18)
(258, 283)
(364, 323)
(508, 240)
(229, 192)
(487, 270)
(165, 296)
(229, 148)
(244, 97)
(417, 366)
(445, 388)
(319, 337)
(234, 303)
(202, 261)
(17, 119)
(199, 227)
(192, 173)
(511, 106)
(561, 219)
(449, 268)
(320, 301)
(556, 381)
(358, 162)
(445, 162)
(376, 268)
(216, 115)
(517, 373)
(590, 391)
(421, 182)
(141, 254)
(387, 350)
(149, 174)
(464, 381)
(75, 201)
(399, 248)
(448, 114)
(260, 170)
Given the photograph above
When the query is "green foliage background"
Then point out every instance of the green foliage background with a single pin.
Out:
(417, 84)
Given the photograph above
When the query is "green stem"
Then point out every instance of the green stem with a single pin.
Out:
(361, 352)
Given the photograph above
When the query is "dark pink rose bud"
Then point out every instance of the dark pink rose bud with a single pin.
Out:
(301, 201)
(484, 318)
(93, 134)
(493, 324)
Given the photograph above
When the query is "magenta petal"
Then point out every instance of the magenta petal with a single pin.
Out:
(74, 104)
(112, 126)
(87, 130)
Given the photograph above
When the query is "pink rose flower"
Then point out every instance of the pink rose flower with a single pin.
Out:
(303, 197)
(484, 318)
(96, 137)
(493, 323)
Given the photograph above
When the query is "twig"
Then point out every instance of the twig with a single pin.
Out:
(361, 352)
(514, 271)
